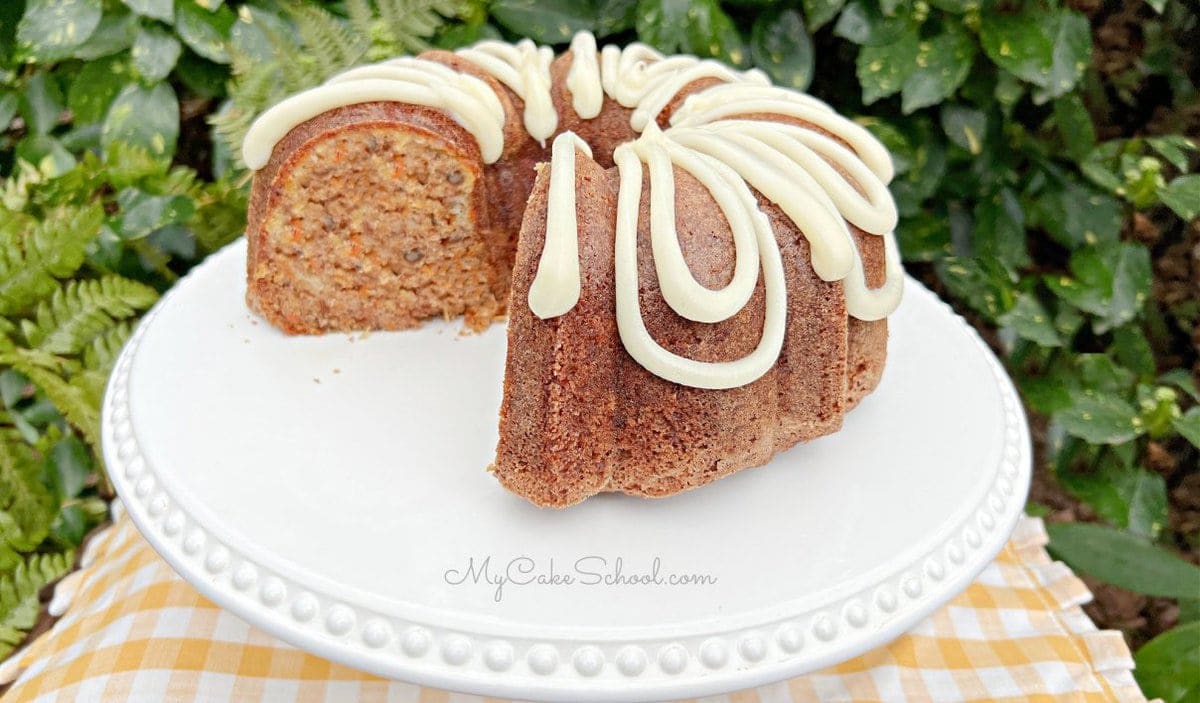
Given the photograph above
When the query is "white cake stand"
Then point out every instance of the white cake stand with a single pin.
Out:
(332, 491)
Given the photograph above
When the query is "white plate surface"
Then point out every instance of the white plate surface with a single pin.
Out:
(331, 490)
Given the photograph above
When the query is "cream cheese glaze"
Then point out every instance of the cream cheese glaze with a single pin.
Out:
(555, 289)
(818, 183)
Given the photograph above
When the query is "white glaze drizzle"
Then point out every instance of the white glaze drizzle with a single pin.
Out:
(525, 69)
(818, 183)
(583, 78)
(733, 99)
(632, 328)
(555, 289)
(686, 296)
(417, 83)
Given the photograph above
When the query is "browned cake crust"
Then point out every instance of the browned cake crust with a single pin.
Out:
(577, 419)
(379, 216)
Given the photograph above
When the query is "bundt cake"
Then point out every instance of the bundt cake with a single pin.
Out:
(696, 265)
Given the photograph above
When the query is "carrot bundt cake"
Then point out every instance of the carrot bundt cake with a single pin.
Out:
(696, 265)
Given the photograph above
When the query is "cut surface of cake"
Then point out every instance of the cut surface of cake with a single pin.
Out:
(696, 265)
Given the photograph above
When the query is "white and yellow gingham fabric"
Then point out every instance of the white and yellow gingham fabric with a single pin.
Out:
(133, 630)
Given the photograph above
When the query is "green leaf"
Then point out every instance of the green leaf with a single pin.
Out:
(10, 16)
(26, 503)
(114, 34)
(711, 33)
(19, 604)
(202, 77)
(127, 164)
(780, 45)
(1074, 126)
(145, 117)
(1127, 496)
(1145, 494)
(42, 103)
(896, 141)
(12, 387)
(553, 22)
(942, 64)
(1111, 281)
(206, 33)
(142, 213)
(1188, 426)
(965, 126)
(1098, 372)
(51, 29)
(95, 87)
(923, 237)
(1168, 666)
(9, 102)
(1045, 393)
(155, 9)
(1183, 196)
(81, 310)
(34, 253)
(1075, 214)
(979, 283)
(958, 7)
(1124, 560)
(155, 53)
(1018, 42)
(1008, 91)
(79, 407)
(1000, 230)
(615, 16)
(1047, 48)
(73, 466)
(1100, 418)
(883, 70)
(819, 12)
(924, 166)
(1072, 52)
(1180, 378)
(46, 153)
(1029, 320)
(663, 23)
(1133, 350)
(1173, 148)
(1100, 165)
(863, 23)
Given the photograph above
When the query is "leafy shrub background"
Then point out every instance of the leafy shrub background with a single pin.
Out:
(1044, 180)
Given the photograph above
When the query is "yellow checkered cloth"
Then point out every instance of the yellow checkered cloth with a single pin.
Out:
(133, 630)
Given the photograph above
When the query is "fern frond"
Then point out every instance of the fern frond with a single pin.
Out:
(295, 68)
(6, 330)
(19, 603)
(360, 15)
(410, 23)
(102, 352)
(27, 508)
(14, 195)
(333, 45)
(91, 385)
(80, 310)
(221, 217)
(51, 374)
(252, 90)
(323, 45)
(34, 254)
